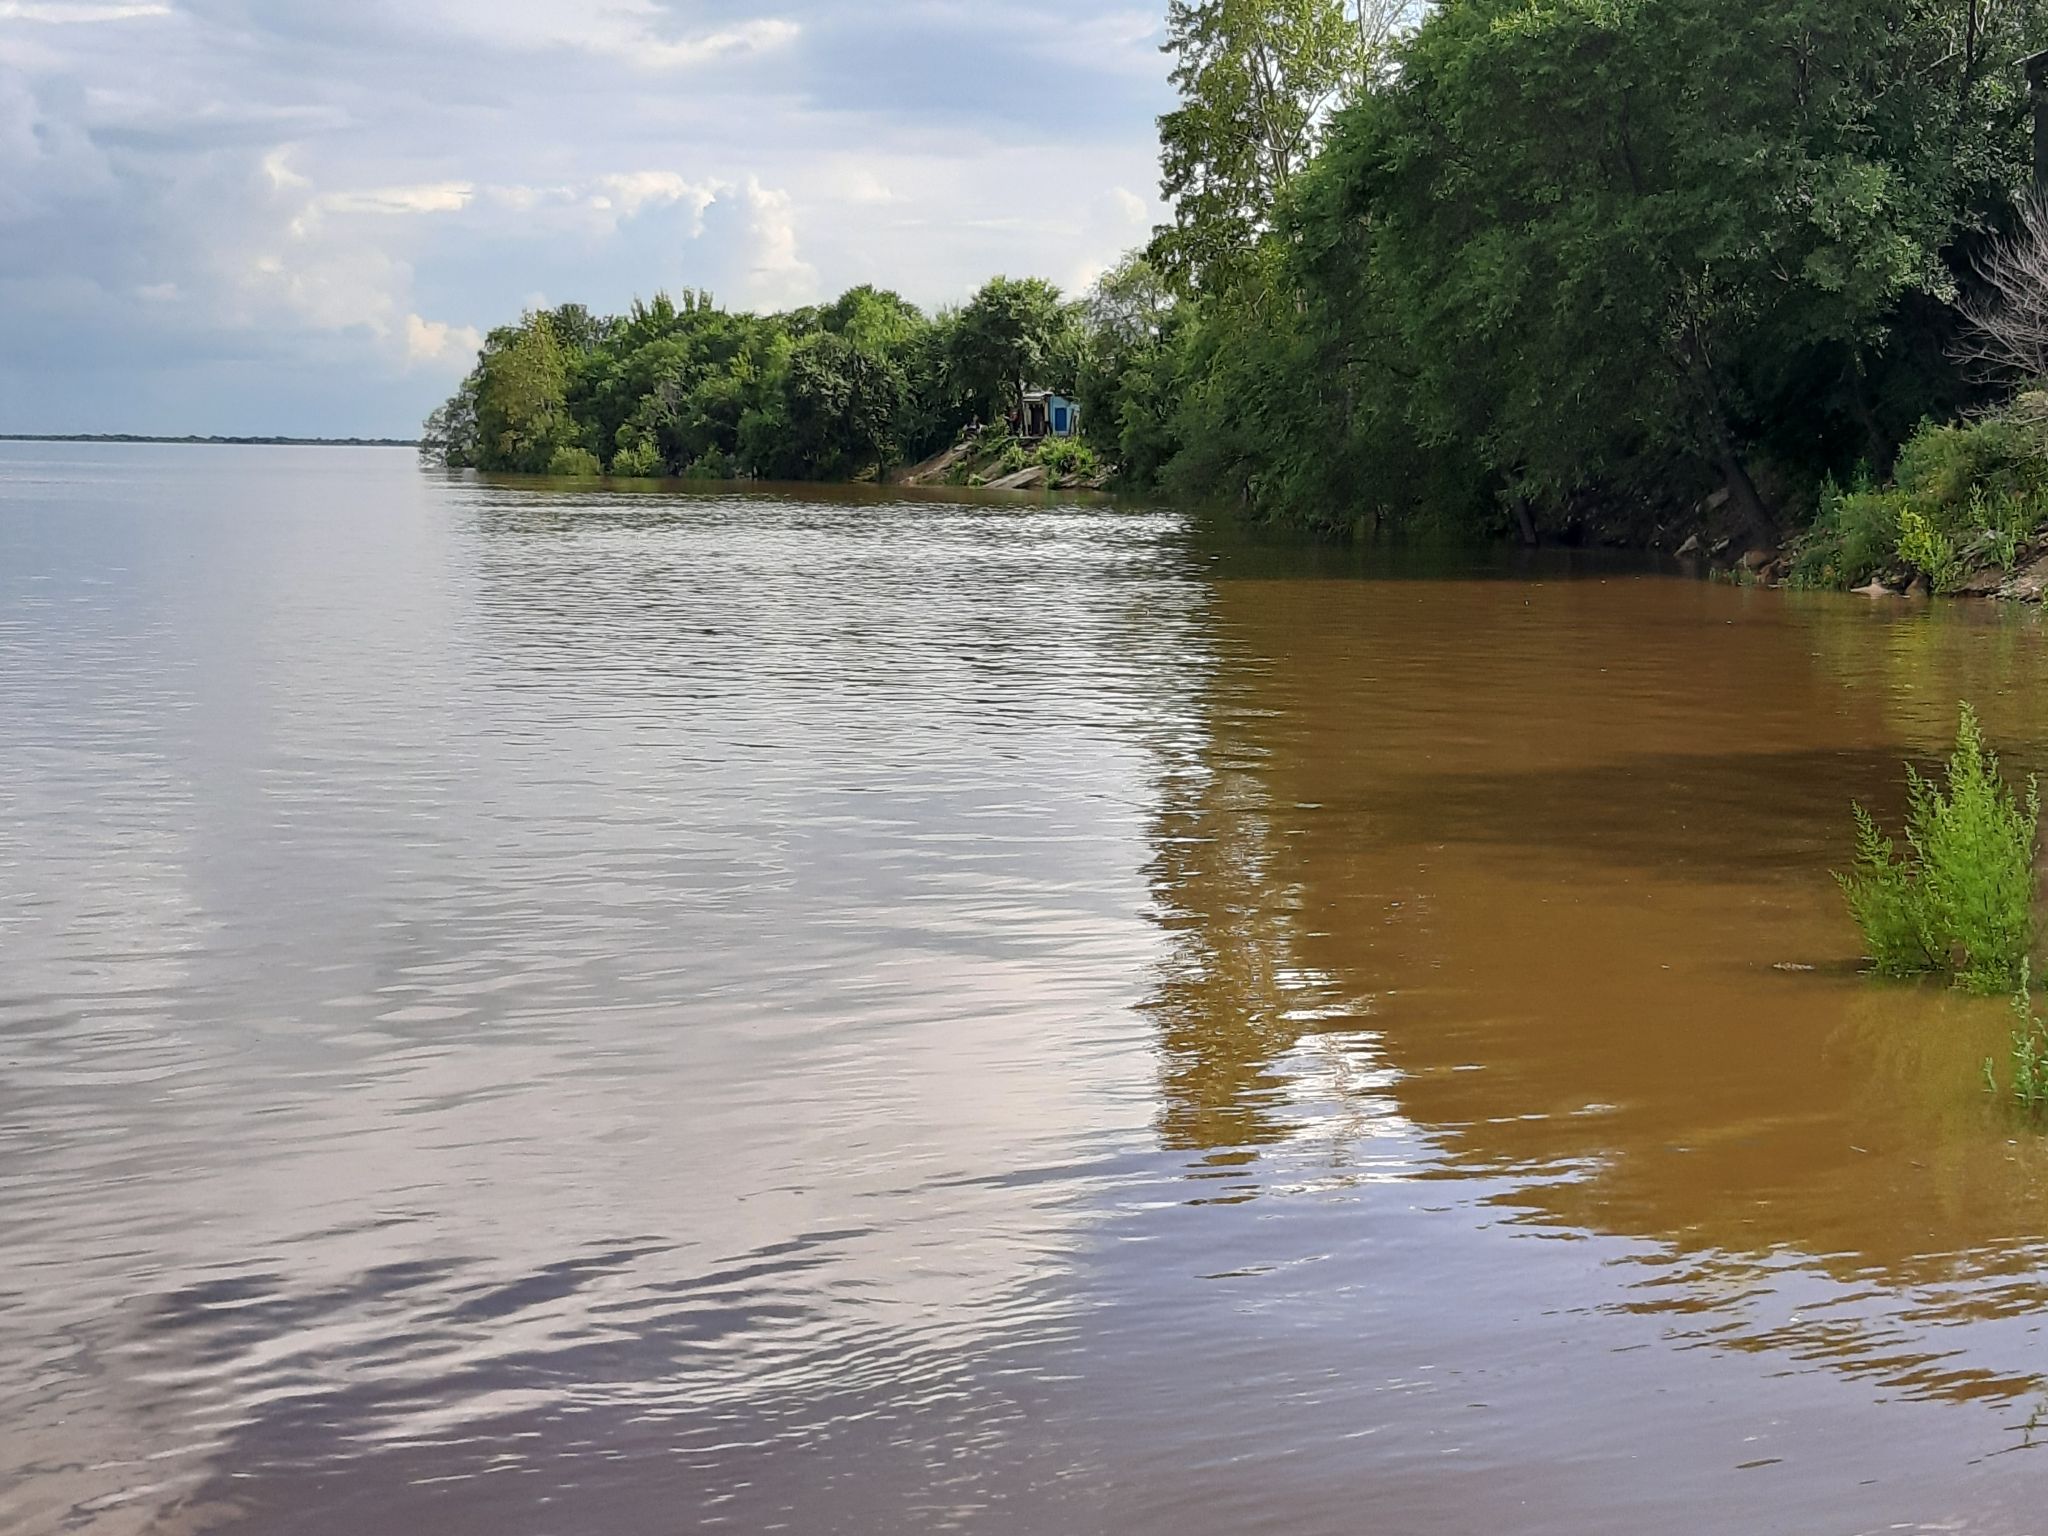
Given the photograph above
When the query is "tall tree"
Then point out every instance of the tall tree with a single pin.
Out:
(1606, 224)
(1258, 80)
(521, 398)
(1014, 333)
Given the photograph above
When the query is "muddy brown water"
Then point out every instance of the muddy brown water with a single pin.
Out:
(541, 1012)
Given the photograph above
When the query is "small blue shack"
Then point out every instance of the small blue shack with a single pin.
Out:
(1046, 414)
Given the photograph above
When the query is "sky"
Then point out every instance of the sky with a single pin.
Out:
(297, 216)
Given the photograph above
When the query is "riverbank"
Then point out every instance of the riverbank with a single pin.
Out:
(999, 462)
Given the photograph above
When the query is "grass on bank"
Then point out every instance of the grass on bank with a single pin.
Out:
(996, 455)
(1964, 498)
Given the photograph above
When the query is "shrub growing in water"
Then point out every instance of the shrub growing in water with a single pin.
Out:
(2029, 1052)
(638, 461)
(578, 462)
(1962, 899)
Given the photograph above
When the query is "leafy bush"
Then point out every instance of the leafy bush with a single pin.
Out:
(709, 465)
(578, 462)
(1963, 900)
(1013, 459)
(1979, 489)
(1067, 456)
(639, 461)
(1884, 900)
(1927, 549)
(1942, 467)
(1855, 535)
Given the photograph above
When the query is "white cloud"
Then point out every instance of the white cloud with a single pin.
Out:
(278, 167)
(777, 278)
(630, 191)
(853, 182)
(443, 159)
(57, 13)
(436, 197)
(749, 37)
(329, 286)
(434, 341)
(633, 32)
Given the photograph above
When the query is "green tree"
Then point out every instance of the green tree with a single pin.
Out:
(521, 411)
(449, 437)
(1014, 333)
(1131, 374)
(1596, 219)
(1257, 80)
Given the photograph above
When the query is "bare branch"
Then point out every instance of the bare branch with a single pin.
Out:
(2006, 323)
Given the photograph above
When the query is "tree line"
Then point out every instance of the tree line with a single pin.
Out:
(684, 387)
(1511, 265)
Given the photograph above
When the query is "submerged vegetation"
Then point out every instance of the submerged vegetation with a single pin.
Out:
(1961, 899)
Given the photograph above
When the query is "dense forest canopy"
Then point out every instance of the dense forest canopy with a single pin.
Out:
(1506, 263)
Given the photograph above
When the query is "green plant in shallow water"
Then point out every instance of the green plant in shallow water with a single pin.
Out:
(577, 462)
(2029, 1051)
(1884, 900)
(1962, 898)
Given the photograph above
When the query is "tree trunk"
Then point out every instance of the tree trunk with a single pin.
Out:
(1758, 524)
(1866, 416)
(1523, 521)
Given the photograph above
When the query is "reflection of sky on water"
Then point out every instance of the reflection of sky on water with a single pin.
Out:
(561, 940)
(908, 1016)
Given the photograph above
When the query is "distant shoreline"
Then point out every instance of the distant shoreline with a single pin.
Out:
(231, 442)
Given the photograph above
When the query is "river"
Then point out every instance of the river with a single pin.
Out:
(531, 1011)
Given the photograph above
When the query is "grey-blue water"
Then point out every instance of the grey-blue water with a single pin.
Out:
(528, 1010)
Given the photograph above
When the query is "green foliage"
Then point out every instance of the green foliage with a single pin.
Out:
(833, 392)
(1963, 901)
(449, 437)
(1960, 493)
(1855, 534)
(2028, 1052)
(638, 461)
(1884, 900)
(1572, 257)
(1012, 459)
(521, 406)
(1942, 468)
(570, 461)
(1257, 79)
(2008, 519)
(1923, 547)
(1013, 334)
(1067, 456)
